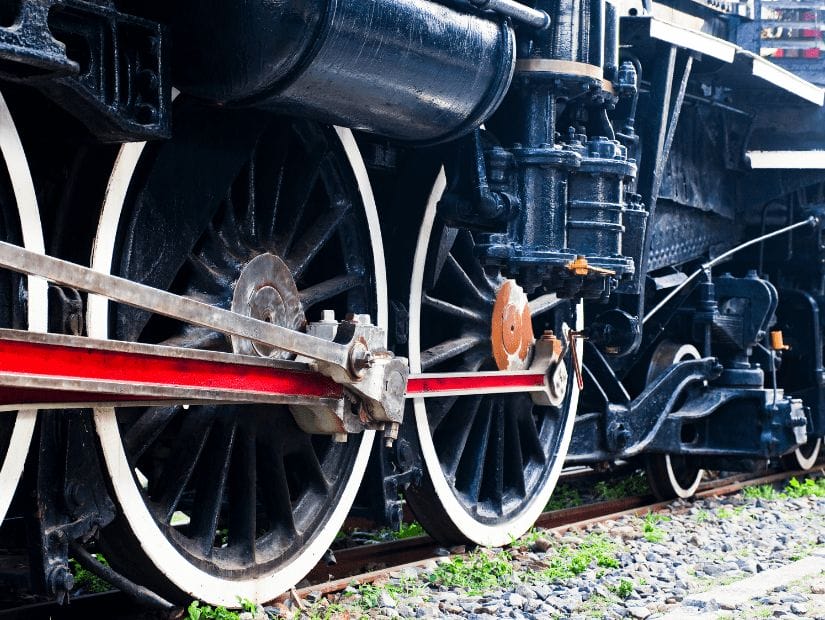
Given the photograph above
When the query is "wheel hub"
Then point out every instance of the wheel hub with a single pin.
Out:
(512, 328)
(266, 291)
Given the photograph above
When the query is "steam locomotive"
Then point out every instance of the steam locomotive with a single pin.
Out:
(241, 239)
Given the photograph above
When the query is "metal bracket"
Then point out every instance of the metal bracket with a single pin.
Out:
(639, 420)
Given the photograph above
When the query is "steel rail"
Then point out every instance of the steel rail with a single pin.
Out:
(418, 552)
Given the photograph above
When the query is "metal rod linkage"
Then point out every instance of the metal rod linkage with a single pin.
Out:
(516, 11)
(168, 304)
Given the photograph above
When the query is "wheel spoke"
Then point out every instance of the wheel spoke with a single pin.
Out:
(243, 499)
(458, 312)
(461, 279)
(275, 495)
(514, 465)
(449, 349)
(211, 484)
(146, 429)
(437, 408)
(214, 279)
(543, 304)
(229, 233)
(446, 240)
(464, 253)
(298, 193)
(492, 474)
(187, 449)
(312, 471)
(531, 441)
(470, 472)
(307, 247)
(455, 432)
(198, 338)
(329, 288)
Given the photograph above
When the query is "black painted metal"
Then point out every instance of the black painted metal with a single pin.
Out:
(413, 70)
(104, 66)
(69, 500)
(554, 200)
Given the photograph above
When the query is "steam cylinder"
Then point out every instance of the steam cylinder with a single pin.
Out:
(412, 70)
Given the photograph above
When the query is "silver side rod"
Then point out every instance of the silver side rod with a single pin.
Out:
(174, 306)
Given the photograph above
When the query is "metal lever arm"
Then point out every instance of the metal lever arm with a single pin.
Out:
(175, 306)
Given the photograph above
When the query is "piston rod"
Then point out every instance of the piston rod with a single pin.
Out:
(516, 11)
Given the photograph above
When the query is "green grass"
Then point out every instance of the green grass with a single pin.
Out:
(87, 581)
(370, 593)
(724, 513)
(632, 485)
(623, 589)
(567, 561)
(410, 530)
(809, 487)
(595, 606)
(564, 496)
(702, 516)
(199, 611)
(407, 530)
(761, 491)
(650, 527)
(478, 572)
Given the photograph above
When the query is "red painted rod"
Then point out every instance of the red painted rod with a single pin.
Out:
(71, 372)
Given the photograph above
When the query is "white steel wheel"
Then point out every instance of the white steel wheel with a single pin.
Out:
(491, 462)
(20, 224)
(805, 456)
(224, 503)
(671, 475)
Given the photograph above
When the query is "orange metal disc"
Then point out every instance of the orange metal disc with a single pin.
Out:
(512, 328)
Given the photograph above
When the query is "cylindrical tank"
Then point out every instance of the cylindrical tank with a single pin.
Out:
(413, 70)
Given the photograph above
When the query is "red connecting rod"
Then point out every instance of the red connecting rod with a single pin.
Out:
(56, 371)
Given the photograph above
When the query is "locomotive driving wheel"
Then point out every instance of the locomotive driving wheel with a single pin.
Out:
(805, 456)
(671, 475)
(275, 219)
(491, 461)
(21, 305)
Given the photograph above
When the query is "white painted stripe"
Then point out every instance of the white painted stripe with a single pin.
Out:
(692, 40)
(779, 160)
(784, 79)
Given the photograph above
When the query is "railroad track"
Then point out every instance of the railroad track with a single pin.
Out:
(373, 562)
(369, 563)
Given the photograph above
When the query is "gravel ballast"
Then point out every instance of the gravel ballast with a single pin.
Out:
(632, 567)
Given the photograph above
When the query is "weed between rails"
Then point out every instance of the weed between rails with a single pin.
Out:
(809, 487)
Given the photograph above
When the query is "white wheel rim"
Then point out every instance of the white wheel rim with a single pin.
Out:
(163, 555)
(684, 351)
(483, 534)
(17, 166)
(683, 492)
(807, 462)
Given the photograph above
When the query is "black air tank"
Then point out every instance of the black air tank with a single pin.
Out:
(413, 70)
